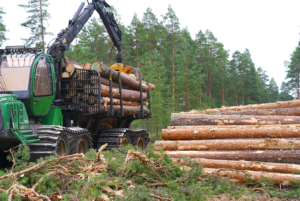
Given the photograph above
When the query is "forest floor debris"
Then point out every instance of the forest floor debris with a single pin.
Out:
(128, 174)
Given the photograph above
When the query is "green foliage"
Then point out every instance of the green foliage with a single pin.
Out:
(21, 156)
(199, 70)
(36, 22)
(3, 29)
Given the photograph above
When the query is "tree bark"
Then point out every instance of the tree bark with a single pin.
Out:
(293, 111)
(230, 144)
(247, 177)
(129, 95)
(264, 156)
(105, 81)
(106, 101)
(280, 104)
(173, 65)
(126, 80)
(223, 132)
(243, 165)
(179, 119)
(223, 99)
(128, 110)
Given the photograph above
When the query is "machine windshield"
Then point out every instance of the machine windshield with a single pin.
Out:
(15, 74)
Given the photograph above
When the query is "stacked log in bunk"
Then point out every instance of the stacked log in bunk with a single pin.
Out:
(121, 91)
(260, 141)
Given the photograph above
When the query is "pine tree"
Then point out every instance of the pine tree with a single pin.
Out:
(172, 26)
(263, 85)
(3, 29)
(273, 90)
(293, 70)
(38, 16)
(136, 34)
(285, 92)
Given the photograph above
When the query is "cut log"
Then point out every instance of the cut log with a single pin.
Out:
(76, 64)
(65, 75)
(292, 111)
(106, 101)
(283, 104)
(229, 144)
(265, 156)
(70, 68)
(105, 81)
(247, 177)
(129, 95)
(126, 80)
(201, 119)
(223, 132)
(87, 66)
(243, 165)
(128, 110)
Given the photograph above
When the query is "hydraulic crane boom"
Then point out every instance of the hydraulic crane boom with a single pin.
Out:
(66, 36)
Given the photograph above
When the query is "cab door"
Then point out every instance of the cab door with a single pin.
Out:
(42, 86)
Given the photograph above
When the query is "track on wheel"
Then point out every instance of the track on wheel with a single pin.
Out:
(51, 136)
(132, 136)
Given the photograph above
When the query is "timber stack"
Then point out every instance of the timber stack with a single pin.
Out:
(103, 89)
(262, 140)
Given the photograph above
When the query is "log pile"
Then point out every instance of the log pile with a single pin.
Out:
(84, 88)
(263, 140)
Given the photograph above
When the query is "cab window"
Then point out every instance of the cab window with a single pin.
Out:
(43, 79)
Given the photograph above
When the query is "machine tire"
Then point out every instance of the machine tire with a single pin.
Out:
(79, 145)
(139, 141)
(63, 146)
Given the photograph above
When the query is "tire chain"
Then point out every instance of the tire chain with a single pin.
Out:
(110, 136)
(52, 135)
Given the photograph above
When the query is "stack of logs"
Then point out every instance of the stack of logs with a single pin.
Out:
(131, 95)
(252, 138)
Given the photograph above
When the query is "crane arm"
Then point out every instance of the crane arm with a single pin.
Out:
(66, 36)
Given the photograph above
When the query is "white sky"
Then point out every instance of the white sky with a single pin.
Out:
(268, 28)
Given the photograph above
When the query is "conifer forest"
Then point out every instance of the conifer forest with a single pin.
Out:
(189, 72)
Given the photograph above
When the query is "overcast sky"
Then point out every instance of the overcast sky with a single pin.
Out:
(268, 28)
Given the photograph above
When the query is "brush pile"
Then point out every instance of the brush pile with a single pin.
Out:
(261, 141)
(91, 89)
(130, 175)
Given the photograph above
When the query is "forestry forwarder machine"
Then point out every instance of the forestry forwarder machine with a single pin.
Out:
(36, 110)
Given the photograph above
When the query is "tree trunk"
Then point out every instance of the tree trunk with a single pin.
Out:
(106, 101)
(173, 64)
(293, 111)
(243, 165)
(178, 119)
(105, 81)
(264, 156)
(129, 95)
(42, 26)
(247, 177)
(280, 104)
(128, 110)
(229, 144)
(186, 85)
(223, 132)
(225, 96)
(126, 80)
(137, 49)
(223, 101)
